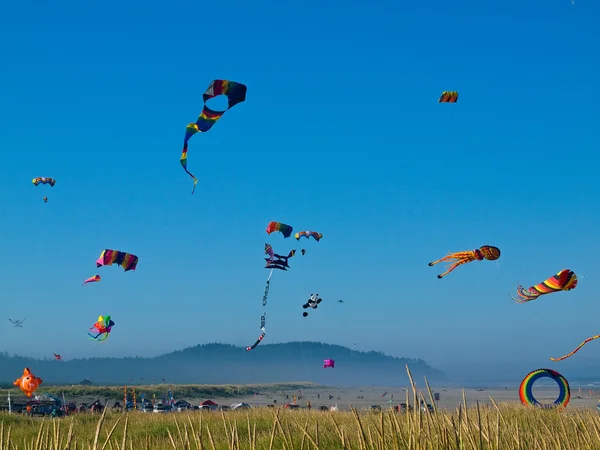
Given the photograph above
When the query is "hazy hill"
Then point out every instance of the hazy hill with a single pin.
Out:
(228, 364)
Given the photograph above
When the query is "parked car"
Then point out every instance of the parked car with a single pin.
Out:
(240, 406)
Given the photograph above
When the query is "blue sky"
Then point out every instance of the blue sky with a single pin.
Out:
(341, 132)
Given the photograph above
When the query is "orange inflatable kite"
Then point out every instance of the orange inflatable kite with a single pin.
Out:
(28, 382)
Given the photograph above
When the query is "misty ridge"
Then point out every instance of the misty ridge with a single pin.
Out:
(217, 363)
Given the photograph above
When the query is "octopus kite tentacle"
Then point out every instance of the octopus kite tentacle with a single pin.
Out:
(577, 349)
(459, 258)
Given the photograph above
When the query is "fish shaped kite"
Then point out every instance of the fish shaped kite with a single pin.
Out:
(313, 302)
(577, 349)
(28, 383)
(308, 234)
(565, 280)
(235, 92)
(284, 229)
(275, 261)
(102, 327)
(448, 97)
(127, 261)
(486, 252)
(94, 279)
(328, 363)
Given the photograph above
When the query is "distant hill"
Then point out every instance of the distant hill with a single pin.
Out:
(228, 364)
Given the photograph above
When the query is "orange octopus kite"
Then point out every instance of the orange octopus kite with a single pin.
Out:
(486, 252)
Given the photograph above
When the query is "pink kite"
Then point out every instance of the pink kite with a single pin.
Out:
(328, 363)
(93, 279)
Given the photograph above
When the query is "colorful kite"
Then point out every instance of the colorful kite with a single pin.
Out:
(286, 230)
(565, 280)
(313, 302)
(28, 383)
(577, 349)
(102, 327)
(44, 180)
(526, 389)
(328, 363)
(127, 261)
(262, 323)
(486, 252)
(275, 261)
(57, 357)
(308, 234)
(94, 279)
(448, 97)
(235, 92)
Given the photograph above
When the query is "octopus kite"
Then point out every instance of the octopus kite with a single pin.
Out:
(308, 234)
(577, 349)
(284, 229)
(127, 261)
(448, 97)
(28, 383)
(313, 302)
(565, 280)
(103, 328)
(235, 92)
(486, 252)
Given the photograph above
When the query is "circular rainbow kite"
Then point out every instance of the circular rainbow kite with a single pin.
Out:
(526, 394)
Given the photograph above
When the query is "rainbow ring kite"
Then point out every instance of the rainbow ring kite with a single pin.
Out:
(526, 394)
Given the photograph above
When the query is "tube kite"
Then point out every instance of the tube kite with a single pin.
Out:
(328, 363)
(235, 92)
(565, 280)
(486, 252)
(127, 261)
(308, 234)
(448, 97)
(94, 279)
(284, 229)
(28, 383)
(577, 349)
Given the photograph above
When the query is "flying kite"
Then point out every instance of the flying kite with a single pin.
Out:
(486, 252)
(303, 251)
(57, 357)
(235, 92)
(448, 97)
(275, 261)
(44, 180)
(565, 280)
(94, 279)
(28, 383)
(18, 323)
(308, 234)
(328, 363)
(127, 261)
(262, 324)
(341, 301)
(102, 327)
(313, 302)
(577, 349)
(286, 230)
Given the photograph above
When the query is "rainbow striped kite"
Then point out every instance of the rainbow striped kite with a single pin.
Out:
(127, 261)
(565, 280)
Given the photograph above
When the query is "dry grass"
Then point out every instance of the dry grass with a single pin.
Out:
(502, 426)
(496, 427)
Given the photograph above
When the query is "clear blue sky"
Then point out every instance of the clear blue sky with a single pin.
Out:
(341, 132)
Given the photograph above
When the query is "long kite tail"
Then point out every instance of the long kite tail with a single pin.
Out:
(577, 349)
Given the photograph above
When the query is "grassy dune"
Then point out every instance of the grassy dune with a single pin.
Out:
(493, 427)
(182, 390)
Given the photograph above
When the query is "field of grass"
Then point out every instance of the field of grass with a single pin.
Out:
(492, 427)
(183, 390)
